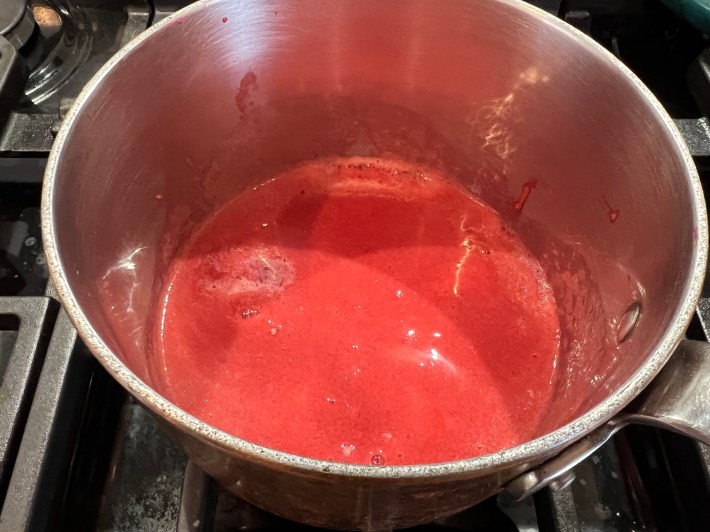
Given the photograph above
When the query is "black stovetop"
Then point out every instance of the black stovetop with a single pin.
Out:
(77, 454)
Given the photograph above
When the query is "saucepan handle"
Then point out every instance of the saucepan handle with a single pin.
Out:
(678, 399)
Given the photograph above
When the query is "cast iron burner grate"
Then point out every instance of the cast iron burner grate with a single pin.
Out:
(77, 454)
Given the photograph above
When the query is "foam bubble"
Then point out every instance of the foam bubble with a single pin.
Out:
(245, 271)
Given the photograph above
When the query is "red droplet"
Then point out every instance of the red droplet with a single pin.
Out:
(377, 460)
(527, 189)
(224, 19)
(613, 213)
(246, 85)
(180, 20)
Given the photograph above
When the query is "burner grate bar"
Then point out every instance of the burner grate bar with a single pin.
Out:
(198, 501)
(45, 453)
(33, 318)
(556, 511)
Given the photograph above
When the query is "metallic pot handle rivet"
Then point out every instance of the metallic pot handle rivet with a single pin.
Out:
(628, 322)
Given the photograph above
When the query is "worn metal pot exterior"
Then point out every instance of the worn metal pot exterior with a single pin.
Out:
(498, 95)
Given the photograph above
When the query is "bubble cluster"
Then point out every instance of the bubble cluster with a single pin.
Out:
(244, 271)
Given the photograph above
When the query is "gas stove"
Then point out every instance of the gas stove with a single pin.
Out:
(77, 453)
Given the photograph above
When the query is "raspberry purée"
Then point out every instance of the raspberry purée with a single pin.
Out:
(360, 312)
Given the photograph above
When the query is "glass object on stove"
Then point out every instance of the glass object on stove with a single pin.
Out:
(62, 46)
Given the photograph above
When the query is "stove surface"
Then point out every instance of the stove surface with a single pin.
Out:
(77, 454)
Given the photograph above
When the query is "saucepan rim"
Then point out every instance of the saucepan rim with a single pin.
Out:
(525, 453)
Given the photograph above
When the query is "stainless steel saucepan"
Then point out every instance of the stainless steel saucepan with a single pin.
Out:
(497, 95)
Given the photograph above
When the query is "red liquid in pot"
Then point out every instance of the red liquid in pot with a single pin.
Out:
(360, 313)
